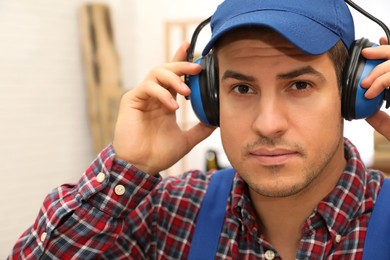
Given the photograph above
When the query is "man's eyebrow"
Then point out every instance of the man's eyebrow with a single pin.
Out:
(289, 75)
(237, 75)
(301, 71)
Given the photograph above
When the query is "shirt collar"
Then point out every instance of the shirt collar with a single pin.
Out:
(241, 205)
(345, 201)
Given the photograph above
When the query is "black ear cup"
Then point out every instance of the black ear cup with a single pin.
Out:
(352, 72)
(353, 103)
(209, 89)
(204, 91)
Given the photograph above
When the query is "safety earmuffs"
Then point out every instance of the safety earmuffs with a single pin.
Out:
(205, 86)
(353, 103)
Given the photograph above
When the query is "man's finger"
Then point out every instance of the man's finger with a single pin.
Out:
(380, 121)
(181, 53)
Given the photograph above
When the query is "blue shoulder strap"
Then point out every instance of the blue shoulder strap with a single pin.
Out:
(377, 242)
(211, 216)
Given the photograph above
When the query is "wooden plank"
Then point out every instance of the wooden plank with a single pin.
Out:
(381, 153)
(102, 72)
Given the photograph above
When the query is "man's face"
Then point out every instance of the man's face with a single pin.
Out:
(280, 116)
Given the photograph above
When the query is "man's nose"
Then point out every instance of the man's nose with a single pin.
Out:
(271, 117)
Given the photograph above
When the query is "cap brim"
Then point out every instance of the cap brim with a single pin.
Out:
(306, 34)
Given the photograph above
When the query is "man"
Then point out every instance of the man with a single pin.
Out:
(300, 191)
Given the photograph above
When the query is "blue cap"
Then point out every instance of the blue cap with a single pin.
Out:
(314, 26)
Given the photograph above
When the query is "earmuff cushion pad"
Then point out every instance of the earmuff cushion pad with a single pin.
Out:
(209, 89)
(196, 96)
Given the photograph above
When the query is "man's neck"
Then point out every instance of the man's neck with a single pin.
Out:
(281, 219)
(281, 222)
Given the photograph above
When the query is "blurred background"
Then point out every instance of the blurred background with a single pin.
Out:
(64, 65)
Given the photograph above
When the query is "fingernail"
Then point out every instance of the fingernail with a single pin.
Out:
(365, 83)
(368, 94)
(174, 103)
(184, 86)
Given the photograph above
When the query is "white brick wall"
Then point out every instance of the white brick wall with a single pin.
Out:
(44, 136)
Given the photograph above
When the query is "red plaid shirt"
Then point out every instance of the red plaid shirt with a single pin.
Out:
(117, 212)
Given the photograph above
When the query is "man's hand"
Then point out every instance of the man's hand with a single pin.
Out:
(146, 133)
(376, 82)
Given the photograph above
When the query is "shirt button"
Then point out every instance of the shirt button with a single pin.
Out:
(100, 177)
(269, 255)
(43, 236)
(119, 189)
(338, 238)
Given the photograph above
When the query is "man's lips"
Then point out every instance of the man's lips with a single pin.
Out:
(271, 157)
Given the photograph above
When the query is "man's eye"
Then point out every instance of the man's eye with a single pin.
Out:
(242, 89)
(301, 85)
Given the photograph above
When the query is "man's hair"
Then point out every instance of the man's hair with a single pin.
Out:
(338, 53)
(339, 56)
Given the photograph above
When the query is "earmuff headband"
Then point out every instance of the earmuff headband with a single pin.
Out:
(371, 17)
(191, 49)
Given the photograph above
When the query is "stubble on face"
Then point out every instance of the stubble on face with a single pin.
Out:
(309, 173)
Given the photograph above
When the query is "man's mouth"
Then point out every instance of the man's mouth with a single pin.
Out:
(271, 157)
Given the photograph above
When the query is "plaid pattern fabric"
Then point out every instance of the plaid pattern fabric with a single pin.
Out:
(154, 218)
